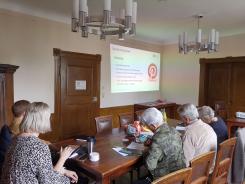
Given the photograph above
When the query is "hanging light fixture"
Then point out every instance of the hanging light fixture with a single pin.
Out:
(200, 45)
(104, 25)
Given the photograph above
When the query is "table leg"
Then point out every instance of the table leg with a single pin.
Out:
(229, 129)
(105, 180)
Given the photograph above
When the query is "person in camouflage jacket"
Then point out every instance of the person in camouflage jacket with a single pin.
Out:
(165, 154)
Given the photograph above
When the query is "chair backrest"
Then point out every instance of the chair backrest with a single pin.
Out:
(220, 109)
(223, 161)
(182, 176)
(125, 119)
(103, 123)
(138, 114)
(201, 166)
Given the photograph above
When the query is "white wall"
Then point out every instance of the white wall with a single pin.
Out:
(28, 42)
(180, 73)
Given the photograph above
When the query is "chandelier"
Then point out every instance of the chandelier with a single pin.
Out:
(211, 44)
(106, 24)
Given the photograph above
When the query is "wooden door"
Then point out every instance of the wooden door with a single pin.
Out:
(218, 84)
(237, 100)
(222, 79)
(77, 92)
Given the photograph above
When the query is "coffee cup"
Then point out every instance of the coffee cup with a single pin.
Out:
(94, 156)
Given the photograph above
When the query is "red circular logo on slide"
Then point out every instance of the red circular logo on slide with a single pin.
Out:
(152, 71)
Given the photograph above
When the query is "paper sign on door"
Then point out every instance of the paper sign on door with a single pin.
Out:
(80, 84)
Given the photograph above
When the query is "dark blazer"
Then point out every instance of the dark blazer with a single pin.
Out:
(5, 141)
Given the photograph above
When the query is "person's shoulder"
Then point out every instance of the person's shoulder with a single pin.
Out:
(204, 125)
(162, 130)
(220, 120)
(4, 129)
(165, 132)
(159, 135)
(197, 127)
(40, 143)
(5, 133)
(35, 143)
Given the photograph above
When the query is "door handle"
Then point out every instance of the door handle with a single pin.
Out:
(94, 99)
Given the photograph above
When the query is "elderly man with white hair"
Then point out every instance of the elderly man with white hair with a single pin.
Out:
(199, 137)
(207, 115)
(165, 154)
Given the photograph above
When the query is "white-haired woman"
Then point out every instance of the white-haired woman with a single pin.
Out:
(28, 159)
(165, 154)
(207, 115)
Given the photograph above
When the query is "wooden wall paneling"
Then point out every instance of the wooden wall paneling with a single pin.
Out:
(170, 108)
(53, 136)
(237, 97)
(115, 111)
(176, 114)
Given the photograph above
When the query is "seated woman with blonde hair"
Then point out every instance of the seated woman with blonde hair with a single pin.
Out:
(28, 159)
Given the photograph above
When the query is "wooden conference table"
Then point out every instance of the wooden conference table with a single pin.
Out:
(111, 164)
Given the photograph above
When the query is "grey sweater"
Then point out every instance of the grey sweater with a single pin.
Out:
(238, 163)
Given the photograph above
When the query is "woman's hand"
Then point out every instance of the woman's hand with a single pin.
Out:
(65, 152)
(72, 175)
(64, 155)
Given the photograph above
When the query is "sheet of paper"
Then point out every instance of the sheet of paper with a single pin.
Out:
(180, 128)
(147, 133)
(117, 149)
(73, 155)
(134, 145)
(82, 140)
(80, 84)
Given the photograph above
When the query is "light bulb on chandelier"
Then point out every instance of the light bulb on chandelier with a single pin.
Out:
(200, 45)
(107, 24)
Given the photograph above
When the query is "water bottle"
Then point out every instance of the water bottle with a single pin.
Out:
(90, 144)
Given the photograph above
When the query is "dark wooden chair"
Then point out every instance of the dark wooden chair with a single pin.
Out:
(138, 114)
(182, 176)
(103, 123)
(220, 109)
(223, 161)
(125, 119)
(200, 168)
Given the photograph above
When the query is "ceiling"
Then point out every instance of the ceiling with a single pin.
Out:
(159, 21)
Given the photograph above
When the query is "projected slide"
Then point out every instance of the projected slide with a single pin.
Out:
(134, 70)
